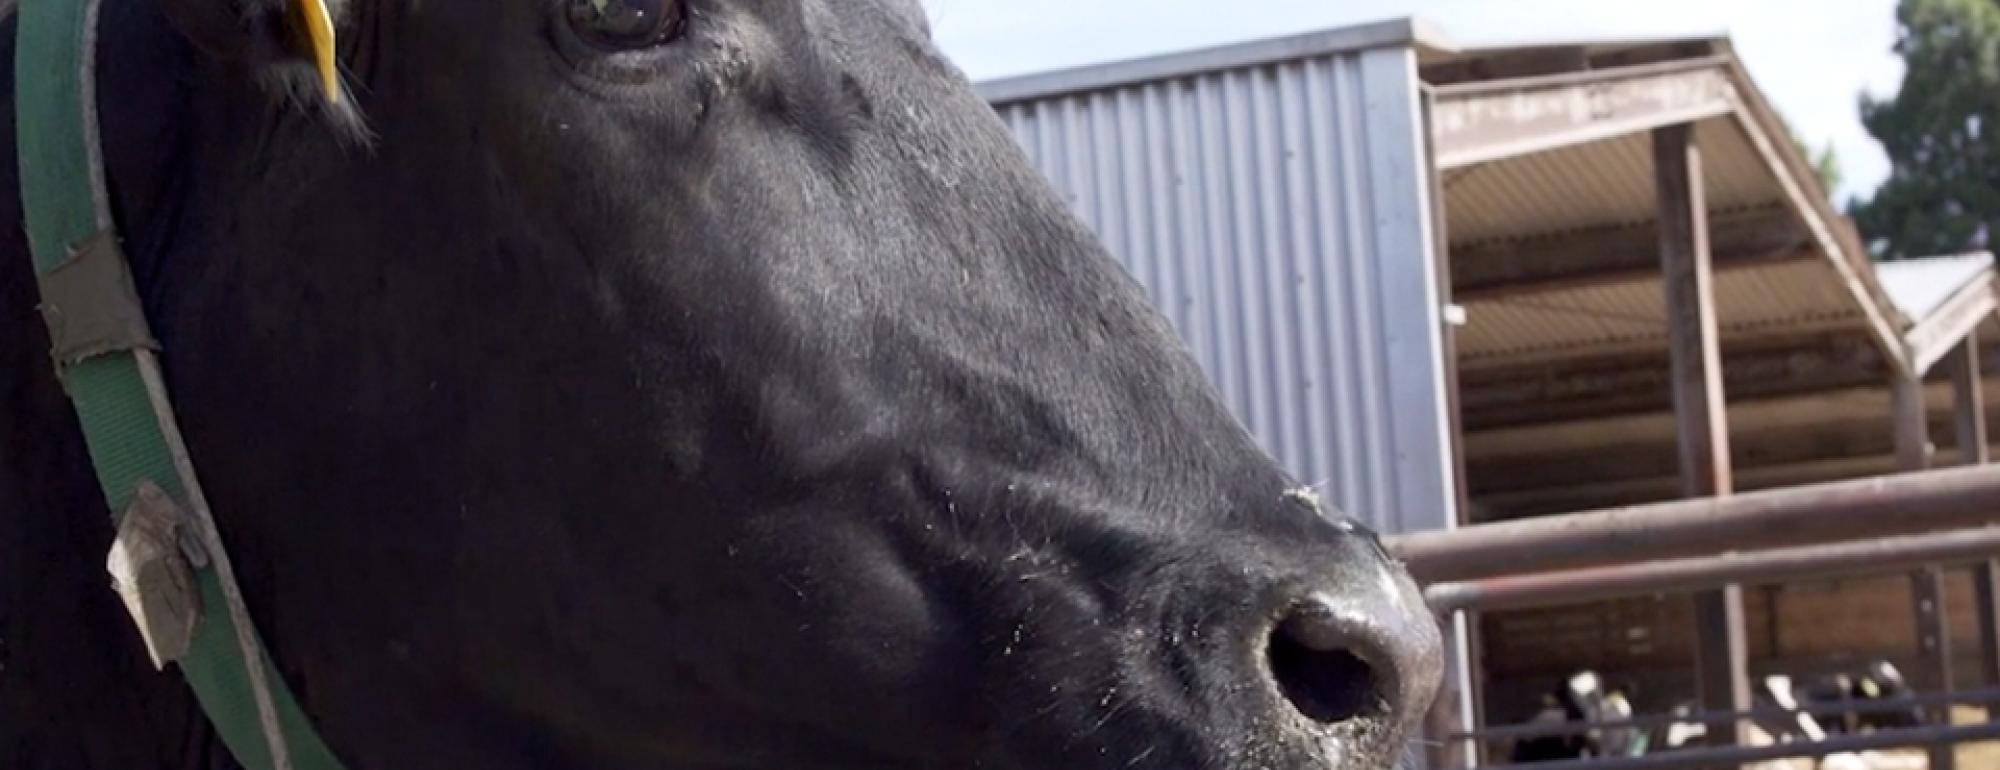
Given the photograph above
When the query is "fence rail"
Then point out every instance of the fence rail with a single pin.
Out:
(1683, 575)
(1910, 520)
(1538, 730)
(1812, 515)
(1711, 758)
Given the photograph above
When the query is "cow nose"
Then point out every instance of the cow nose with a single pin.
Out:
(1329, 673)
(1366, 657)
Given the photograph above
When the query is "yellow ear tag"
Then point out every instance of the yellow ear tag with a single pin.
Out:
(319, 35)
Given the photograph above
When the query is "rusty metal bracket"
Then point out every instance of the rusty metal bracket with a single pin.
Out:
(152, 563)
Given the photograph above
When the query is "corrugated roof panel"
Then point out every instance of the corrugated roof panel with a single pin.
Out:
(1242, 201)
(1506, 330)
(1348, 40)
(1791, 298)
(1593, 185)
(1919, 286)
(1794, 297)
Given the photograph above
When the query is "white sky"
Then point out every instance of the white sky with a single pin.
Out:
(1811, 57)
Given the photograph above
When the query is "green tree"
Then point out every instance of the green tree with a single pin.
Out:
(1825, 162)
(1943, 191)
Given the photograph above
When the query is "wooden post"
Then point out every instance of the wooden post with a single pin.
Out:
(1969, 413)
(1722, 649)
(1969, 401)
(1690, 288)
(1474, 752)
(1450, 712)
(1986, 594)
(1927, 587)
(1933, 626)
(1913, 434)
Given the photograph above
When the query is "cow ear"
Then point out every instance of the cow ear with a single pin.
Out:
(272, 36)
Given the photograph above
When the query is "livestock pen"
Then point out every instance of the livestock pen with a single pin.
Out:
(1461, 286)
(1910, 522)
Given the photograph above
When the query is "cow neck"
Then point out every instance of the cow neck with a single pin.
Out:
(167, 560)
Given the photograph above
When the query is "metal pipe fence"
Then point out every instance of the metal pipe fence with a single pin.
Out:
(1883, 524)
(1825, 513)
(1683, 575)
(1879, 706)
(1729, 757)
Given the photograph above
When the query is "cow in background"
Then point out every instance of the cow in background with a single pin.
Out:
(1880, 681)
(1584, 699)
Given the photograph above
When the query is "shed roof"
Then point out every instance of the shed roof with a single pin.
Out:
(1496, 60)
(1946, 298)
(1406, 31)
(1599, 433)
(1919, 287)
(1545, 160)
(1546, 173)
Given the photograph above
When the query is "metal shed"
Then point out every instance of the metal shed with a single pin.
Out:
(1272, 199)
(1462, 284)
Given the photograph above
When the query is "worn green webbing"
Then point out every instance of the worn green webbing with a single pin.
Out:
(56, 136)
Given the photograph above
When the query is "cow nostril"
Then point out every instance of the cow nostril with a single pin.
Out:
(1319, 672)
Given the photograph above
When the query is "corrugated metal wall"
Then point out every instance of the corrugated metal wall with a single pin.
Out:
(1278, 214)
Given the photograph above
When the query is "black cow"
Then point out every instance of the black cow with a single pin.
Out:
(662, 384)
(1585, 701)
(1556, 709)
(1880, 680)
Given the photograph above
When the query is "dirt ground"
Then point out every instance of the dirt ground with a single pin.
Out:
(1971, 756)
(1975, 756)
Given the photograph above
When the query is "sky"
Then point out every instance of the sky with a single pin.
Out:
(1812, 58)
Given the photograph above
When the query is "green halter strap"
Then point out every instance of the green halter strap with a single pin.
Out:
(168, 562)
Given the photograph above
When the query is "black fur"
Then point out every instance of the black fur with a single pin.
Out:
(748, 404)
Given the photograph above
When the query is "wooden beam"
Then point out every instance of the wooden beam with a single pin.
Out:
(1748, 420)
(1616, 460)
(1488, 121)
(1940, 333)
(1516, 267)
(1626, 334)
(1612, 385)
(1515, 447)
(1722, 646)
(1969, 401)
(1533, 62)
(1838, 241)
(1927, 597)
(1974, 447)
(1986, 595)
(1542, 61)
(1927, 589)
(1722, 657)
(1912, 424)
(1450, 710)
(1447, 297)
(1836, 436)
(1693, 342)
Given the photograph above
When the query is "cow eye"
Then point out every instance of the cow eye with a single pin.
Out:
(619, 24)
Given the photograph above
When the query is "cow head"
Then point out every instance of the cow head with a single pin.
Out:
(712, 383)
